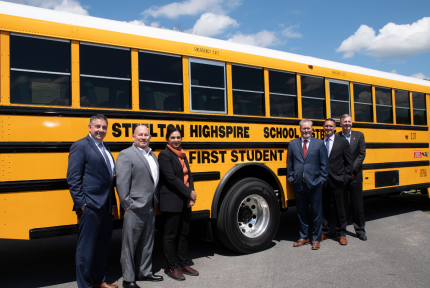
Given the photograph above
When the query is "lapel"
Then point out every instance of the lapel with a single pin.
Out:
(311, 144)
(97, 151)
(299, 143)
(145, 162)
(335, 144)
(352, 141)
(175, 158)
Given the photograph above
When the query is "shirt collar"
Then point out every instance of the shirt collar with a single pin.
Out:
(331, 138)
(143, 150)
(95, 142)
(303, 139)
(350, 132)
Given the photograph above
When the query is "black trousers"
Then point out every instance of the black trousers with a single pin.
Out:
(356, 194)
(339, 204)
(175, 241)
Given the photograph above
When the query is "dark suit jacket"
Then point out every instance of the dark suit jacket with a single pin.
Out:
(88, 177)
(173, 192)
(340, 163)
(314, 166)
(358, 151)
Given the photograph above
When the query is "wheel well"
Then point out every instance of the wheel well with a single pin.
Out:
(241, 171)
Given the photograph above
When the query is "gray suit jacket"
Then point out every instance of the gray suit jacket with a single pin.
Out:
(134, 182)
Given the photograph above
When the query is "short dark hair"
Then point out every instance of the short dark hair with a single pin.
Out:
(98, 116)
(170, 129)
(330, 119)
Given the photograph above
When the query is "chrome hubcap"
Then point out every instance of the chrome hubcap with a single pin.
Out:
(253, 216)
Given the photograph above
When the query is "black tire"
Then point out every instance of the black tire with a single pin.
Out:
(228, 229)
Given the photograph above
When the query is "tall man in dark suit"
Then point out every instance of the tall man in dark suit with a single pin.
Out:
(340, 165)
(355, 186)
(90, 175)
(136, 182)
(307, 170)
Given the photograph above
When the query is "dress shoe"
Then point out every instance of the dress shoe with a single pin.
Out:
(362, 237)
(315, 245)
(152, 278)
(104, 285)
(189, 271)
(324, 237)
(342, 240)
(301, 242)
(126, 284)
(176, 274)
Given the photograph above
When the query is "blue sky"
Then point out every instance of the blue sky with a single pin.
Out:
(391, 36)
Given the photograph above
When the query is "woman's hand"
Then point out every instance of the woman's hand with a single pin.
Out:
(190, 203)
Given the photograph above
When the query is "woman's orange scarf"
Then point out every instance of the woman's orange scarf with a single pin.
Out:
(181, 155)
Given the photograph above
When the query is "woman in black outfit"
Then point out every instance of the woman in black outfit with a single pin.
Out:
(177, 197)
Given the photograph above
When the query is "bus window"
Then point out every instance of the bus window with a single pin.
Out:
(207, 86)
(419, 108)
(339, 98)
(248, 90)
(40, 70)
(160, 82)
(363, 103)
(384, 112)
(283, 95)
(403, 112)
(313, 97)
(105, 76)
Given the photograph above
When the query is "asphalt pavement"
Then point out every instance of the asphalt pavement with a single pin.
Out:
(395, 255)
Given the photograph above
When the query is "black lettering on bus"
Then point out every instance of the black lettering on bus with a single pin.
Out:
(222, 153)
(239, 132)
(181, 129)
(206, 132)
(133, 127)
(241, 155)
(246, 132)
(273, 155)
(265, 155)
(295, 133)
(313, 133)
(258, 155)
(279, 132)
(161, 127)
(200, 131)
(205, 156)
(291, 133)
(193, 131)
(214, 157)
(116, 128)
(266, 132)
(192, 156)
(127, 126)
(198, 157)
(322, 134)
(234, 157)
(285, 133)
(280, 154)
(229, 131)
(272, 132)
(214, 131)
(250, 157)
(221, 131)
(151, 131)
(234, 131)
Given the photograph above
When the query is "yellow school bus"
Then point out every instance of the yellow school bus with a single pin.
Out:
(237, 107)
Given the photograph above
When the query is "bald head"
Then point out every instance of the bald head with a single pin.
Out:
(141, 137)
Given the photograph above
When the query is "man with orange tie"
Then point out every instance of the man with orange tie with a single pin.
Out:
(307, 170)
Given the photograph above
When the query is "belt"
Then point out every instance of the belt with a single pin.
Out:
(303, 179)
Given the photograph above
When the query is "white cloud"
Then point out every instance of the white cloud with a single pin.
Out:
(263, 38)
(393, 71)
(419, 76)
(188, 7)
(290, 33)
(155, 24)
(71, 6)
(211, 24)
(393, 41)
(136, 22)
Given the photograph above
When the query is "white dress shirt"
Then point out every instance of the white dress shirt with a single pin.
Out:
(152, 164)
(112, 163)
(330, 143)
(347, 137)
(307, 143)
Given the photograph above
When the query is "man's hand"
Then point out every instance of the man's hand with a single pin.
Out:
(193, 196)
(113, 211)
(83, 207)
(190, 203)
(352, 177)
(126, 208)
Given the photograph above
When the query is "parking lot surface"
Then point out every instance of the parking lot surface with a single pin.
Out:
(396, 254)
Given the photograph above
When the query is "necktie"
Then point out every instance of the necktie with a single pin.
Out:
(106, 158)
(305, 149)
(327, 145)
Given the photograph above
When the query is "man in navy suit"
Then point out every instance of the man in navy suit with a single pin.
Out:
(307, 170)
(90, 178)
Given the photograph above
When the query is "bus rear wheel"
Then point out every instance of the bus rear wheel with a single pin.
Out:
(249, 216)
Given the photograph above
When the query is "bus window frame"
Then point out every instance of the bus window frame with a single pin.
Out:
(286, 95)
(207, 62)
(383, 105)
(310, 97)
(362, 103)
(349, 95)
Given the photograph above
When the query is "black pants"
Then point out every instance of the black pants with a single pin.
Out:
(339, 208)
(175, 241)
(356, 194)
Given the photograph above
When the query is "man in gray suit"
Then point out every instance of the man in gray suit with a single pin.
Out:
(136, 183)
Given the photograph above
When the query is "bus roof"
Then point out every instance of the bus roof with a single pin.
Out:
(165, 34)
